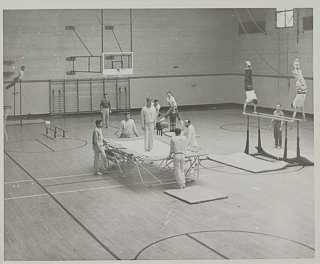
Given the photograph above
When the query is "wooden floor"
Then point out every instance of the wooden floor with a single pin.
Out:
(55, 209)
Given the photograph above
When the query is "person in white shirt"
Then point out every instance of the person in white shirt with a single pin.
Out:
(128, 127)
(301, 89)
(178, 144)
(190, 134)
(148, 122)
(100, 156)
(173, 108)
(17, 79)
(157, 107)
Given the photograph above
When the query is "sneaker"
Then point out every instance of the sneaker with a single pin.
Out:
(279, 147)
(275, 146)
(255, 112)
(243, 113)
(98, 173)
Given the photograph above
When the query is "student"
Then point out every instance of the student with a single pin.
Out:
(157, 107)
(173, 108)
(128, 127)
(148, 123)
(105, 108)
(17, 79)
(178, 144)
(100, 157)
(248, 85)
(190, 135)
(301, 89)
(277, 127)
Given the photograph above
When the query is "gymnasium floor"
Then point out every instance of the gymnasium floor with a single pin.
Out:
(56, 209)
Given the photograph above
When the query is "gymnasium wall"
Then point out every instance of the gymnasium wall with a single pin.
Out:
(272, 57)
(195, 53)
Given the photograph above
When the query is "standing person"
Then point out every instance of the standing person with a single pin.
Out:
(100, 157)
(105, 108)
(148, 122)
(173, 108)
(178, 144)
(128, 127)
(190, 135)
(17, 79)
(277, 127)
(248, 85)
(301, 89)
(157, 107)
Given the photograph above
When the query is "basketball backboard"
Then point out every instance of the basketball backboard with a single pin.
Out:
(117, 63)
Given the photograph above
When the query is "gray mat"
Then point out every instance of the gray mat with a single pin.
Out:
(195, 194)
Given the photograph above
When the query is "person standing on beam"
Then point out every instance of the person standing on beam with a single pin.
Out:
(105, 108)
(277, 127)
(148, 123)
(301, 89)
(248, 85)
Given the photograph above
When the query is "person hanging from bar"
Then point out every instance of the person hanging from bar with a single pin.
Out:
(248, 85)
(301, 89)
(277, 126)
(16, 79)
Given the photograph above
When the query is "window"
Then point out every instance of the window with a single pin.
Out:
(284, 17)
(308, 23)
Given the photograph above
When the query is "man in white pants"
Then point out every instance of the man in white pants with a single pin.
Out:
(178, 144)
(148, 123)
(100, 156)
(301, 89)
(190, 134)
(105, 108)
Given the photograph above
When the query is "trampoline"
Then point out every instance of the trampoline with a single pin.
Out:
(131, 151)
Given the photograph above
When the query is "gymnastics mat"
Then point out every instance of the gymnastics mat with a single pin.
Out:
(195, 194)
(25, 121)
(246, 162)
(290, 154)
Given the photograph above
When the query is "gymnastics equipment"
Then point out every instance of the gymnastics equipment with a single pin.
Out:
(55, 131)
(130, 151)
(160, 126)
(6, 110)
(173, 121)
(298, 160)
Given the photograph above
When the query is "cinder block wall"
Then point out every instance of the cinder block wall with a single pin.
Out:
(185, 43)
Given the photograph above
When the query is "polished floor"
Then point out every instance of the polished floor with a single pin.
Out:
(55, 209)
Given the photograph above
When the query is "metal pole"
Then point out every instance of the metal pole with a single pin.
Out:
(247, 143)
(20, 105)
(50, 97)
(259, 137)
(298, 141)
(14, 102)
(286, 143)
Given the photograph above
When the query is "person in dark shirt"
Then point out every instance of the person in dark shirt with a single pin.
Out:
(105, 108)
(277, 127)
(248, 85)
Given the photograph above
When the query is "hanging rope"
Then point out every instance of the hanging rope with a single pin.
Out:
(255, 46)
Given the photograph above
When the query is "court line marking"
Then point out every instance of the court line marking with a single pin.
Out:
(18, 181)
(44, 145)
(28, 196)
(86, 229)
(203, 244)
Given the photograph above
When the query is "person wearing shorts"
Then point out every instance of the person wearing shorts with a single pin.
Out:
(248, 85)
